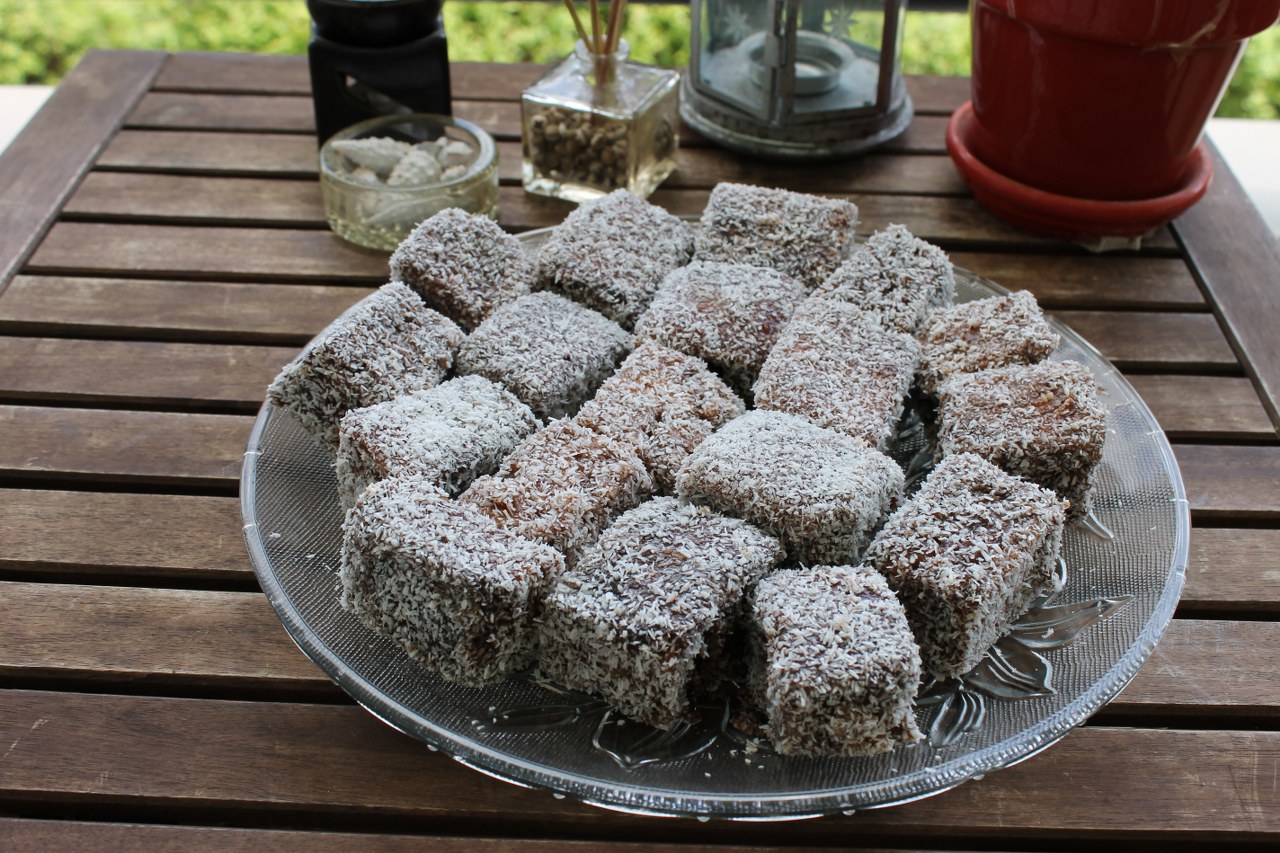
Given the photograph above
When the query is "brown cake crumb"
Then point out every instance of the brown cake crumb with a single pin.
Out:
(463, 265)
(999, 331)
(662, 403)
(612, 253)
(550, 352)
(562, 486)
(896, 276)
(448, 435)
(646, 612)
(967, 555)
(1043, 422)
(804, 236)
(821, 492)
(832, 662)
(387, 344)
(729, 315)
(837, 367)
(457, 592)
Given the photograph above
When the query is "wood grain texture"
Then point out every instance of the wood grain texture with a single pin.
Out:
(1238, 262)
(177, 310)
(35, 176)
(179, 198)
(1225, 482)
(235, 757)
(1091, 281)
(134, 448)
(196, 153)
(174, 538)
(233, 641)
(1233, 570)
(1154, 340)
(251, 73)
(258, 255)
(1218, 408)
(140, 372)
(40, 836)
(151, 638)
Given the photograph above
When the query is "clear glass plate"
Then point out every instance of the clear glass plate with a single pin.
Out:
(1125, 567)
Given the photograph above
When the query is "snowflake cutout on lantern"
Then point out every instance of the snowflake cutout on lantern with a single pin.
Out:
(735, 25)
(840, 22)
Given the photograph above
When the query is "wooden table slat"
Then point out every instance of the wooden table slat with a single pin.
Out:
(233, 640)
(35, 178)
(1231, 483)
(175, 538)
(182, 310)
(62, 370)
(130, 448)
(1238, 261)
(256, 73)
(228, 757)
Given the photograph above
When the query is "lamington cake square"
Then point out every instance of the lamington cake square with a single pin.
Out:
(463, 265)
(550, 352)
(1000, 331)
(832, 662)
(804, 236)
(967, 555)
(840, 369)
(1043, 422)
(663, 403)
(387, 344)
(643, 618)
(821, 492)
(562, 486)
(458, 592)
(896, 276)
(448, 435)
(729, 315)
(612, 253)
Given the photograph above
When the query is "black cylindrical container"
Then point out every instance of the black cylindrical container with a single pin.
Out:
(374, 57)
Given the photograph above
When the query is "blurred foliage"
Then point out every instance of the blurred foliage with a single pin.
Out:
(41, 40)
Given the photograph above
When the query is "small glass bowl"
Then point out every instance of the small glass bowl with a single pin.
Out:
(378, 216)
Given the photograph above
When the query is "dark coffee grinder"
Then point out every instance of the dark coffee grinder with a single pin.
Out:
(375, 57)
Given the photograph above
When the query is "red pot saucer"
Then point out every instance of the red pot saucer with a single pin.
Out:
(1067, 217)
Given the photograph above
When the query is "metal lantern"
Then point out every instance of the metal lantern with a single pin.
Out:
(797, 78)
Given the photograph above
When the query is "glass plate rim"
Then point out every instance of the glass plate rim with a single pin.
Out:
(646, 800)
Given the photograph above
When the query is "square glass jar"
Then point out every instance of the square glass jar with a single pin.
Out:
(597, 123)
(374, 208)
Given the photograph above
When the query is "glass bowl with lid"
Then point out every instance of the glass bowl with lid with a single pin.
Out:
(383, 176)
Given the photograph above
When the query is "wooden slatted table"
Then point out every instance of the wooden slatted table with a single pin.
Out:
(163, 252)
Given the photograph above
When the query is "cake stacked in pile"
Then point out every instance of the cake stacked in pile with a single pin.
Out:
(652, 460)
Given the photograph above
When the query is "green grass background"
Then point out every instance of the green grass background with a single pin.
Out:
(41, 40)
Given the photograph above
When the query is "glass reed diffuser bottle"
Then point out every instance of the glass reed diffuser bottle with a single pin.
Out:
(598, 122)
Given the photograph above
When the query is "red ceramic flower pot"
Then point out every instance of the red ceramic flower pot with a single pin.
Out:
(1103, 100)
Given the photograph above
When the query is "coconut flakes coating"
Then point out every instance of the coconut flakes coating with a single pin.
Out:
(967, 555)
(387, 344)
(837, 367)
(896, 276)
(999, 331)
(729, 315)
(804, 236)
(445, 582)
(612, 253)
(1043, 422)
(463, 265)
(821, 492)
(449, 435)
(832, 662)
(562, 486)
(646, 612)
(550, 352)
(663, 404)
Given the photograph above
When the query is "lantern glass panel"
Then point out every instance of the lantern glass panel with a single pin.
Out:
(838, 49)
(735, 53)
